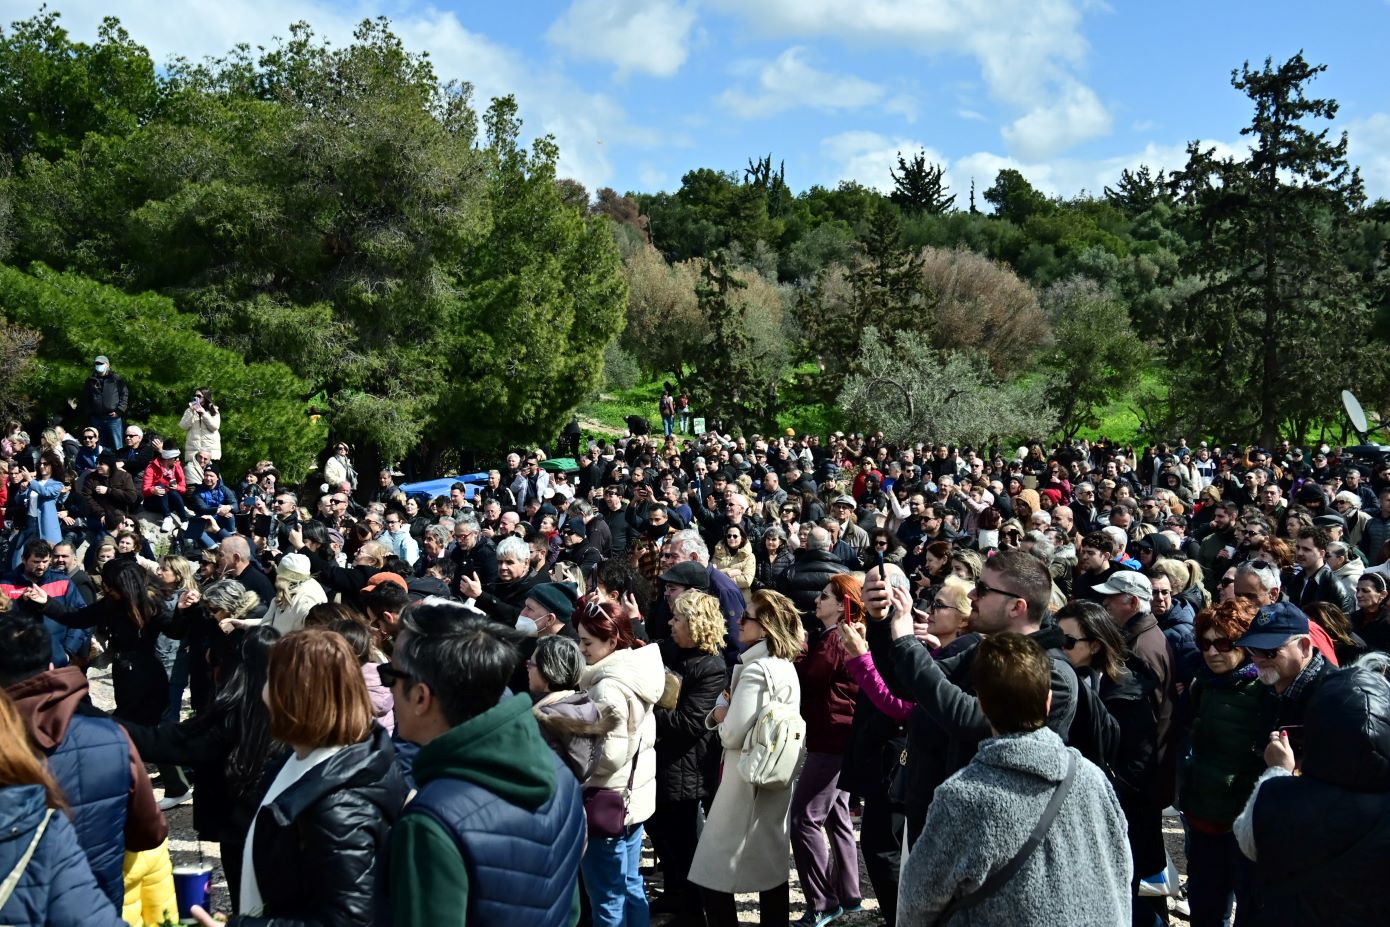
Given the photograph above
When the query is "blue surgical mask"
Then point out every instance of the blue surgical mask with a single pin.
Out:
(101, 368)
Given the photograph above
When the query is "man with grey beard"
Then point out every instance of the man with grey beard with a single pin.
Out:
(1283, 653)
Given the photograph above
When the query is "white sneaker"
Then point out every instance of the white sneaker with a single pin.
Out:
(174, 801)
(168, 524)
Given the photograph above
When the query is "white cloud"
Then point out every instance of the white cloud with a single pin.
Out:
(1054, 127)
(869, 158)
(1368, 147)
(586, 125)
(1029, 52)
(791, 81)
(637, 36)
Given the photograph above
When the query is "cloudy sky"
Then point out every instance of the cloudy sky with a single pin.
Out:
(639, 91)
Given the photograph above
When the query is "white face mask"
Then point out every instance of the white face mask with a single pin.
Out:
(101, 368)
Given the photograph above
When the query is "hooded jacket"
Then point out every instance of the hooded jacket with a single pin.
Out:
(99, 770)
(572, 725)
(316, 845)
(498, 825)
(56, 889)
(628, 683)
(1079, 874)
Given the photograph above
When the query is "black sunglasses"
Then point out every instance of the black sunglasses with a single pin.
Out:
(1220, 645)
(983, 589)
(1069, 642)
(390, 675)
(1268, 653)
(1225, 581)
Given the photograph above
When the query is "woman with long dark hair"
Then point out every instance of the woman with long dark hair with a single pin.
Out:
(56, 887)
(1115, 728)
(228, 746)
(133, 615)
(202, 421)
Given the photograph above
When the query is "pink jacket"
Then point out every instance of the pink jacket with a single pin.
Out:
(383, 705)
(871, 684)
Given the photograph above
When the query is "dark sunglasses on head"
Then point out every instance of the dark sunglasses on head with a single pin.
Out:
(1225, 581)
(1220, 645)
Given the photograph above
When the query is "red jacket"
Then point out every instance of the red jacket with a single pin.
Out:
(161, 473)
(828, 692)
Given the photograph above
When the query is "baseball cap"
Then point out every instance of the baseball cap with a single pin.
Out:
(385, 577)
(1273, 625)
(575, 526)
(1127, 582)
(687, 573)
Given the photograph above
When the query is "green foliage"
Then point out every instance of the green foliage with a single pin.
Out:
(1096, 356)
(163, 359)
(18, 349)
(1015, 199)
(1279, 317)
(53, 91)
(620, 369)
(912, 392)
(918, 186)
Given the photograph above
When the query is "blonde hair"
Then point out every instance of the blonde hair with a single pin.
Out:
(185, 581)
(702, 615)
(780, 619)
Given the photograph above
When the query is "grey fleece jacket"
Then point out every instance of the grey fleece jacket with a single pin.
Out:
(1079, 874)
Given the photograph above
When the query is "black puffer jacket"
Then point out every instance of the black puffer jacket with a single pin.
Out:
(1322, 838)
(806, 577)
(316, 846)
(686, 755)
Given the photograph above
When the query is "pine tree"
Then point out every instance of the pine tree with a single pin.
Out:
(919, 186)
(1137, 191)
(1279, 318)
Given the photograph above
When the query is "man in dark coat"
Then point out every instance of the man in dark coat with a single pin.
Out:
(109, 494)
(105, 398)
(808, 574)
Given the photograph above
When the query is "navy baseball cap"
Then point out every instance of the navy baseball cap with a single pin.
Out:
(1273, 625)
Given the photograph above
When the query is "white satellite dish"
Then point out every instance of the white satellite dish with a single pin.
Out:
(1355, 412)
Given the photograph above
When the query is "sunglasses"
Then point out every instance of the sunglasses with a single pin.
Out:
(1220, 645)
(1225, 581)
(1267, 653)
(983, 589)
(390, 675)
(1069, 642)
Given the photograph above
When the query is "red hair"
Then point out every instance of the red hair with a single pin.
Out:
(602, 621)
(849, 593)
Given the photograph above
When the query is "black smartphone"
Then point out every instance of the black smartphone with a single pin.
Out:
(1295, 734)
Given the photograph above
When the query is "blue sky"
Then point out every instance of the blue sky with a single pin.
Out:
(637, 93)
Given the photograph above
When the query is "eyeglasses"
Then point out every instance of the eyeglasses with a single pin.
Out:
(747, 617)
(131, 434)
(1266, 653)
(1069, 642)
(89, 437)
(983, 589)
(1220, 645)
(390, 675)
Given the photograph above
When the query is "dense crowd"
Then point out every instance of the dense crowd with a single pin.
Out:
(478, 707)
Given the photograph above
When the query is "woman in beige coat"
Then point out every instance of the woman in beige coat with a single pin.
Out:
(734, 557)
(202, 420)
(746, 845)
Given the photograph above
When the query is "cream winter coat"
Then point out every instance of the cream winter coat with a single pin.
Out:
(626, 684)
(204, 434)
(746, 845)
(739, 565)
(287, 618)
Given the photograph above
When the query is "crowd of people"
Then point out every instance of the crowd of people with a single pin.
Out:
(1003, 668)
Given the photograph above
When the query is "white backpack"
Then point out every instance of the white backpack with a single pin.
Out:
(775, 746)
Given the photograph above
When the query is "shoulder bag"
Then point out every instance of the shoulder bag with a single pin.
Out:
(8, 886)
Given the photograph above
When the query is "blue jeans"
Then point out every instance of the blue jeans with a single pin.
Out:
(613, 879)
(1217, 873)
(668, 424)
(112, 431)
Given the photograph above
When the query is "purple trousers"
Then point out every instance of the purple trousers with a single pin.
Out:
(820, 810)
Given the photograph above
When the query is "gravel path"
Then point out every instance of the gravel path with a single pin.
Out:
(185, 848)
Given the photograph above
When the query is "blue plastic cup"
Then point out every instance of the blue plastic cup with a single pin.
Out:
(192, 885)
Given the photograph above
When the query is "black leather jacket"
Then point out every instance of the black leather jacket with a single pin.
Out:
(316, 845)
(1322, 586)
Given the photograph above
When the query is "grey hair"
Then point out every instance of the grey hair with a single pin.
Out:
(775, 531)
(447, 524)
(818, 539)
(689, 542)
(1268, 577)
(1043, 549)
(230, 596)
(581, 508)
(1375, 661)
(559, 662)
(437, 532)
(514, 548)
(467, 521)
